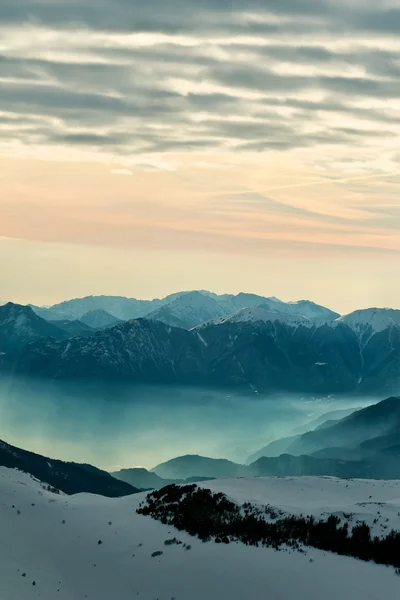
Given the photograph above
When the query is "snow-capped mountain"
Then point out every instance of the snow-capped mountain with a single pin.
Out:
(185, 309)
(377, 319)
(260, 314)
(118, 306)
(273, 354)
(188, 310)
(232, 303)
(310, 310)
(258, 347)
(86, 546)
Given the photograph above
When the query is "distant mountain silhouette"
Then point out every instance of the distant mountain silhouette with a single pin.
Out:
(144, 479)
(365, 445)
(118, 306)
(366, 434)
(286, 465)
(181, 309)
(99, 319)
(189, 466)
(73, 328)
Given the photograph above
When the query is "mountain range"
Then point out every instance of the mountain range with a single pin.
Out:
(359, 435)
(364, 444)
(300, 347)
(181, 309)
(141, 478)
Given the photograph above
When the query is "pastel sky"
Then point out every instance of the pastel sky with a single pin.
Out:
(229, 145)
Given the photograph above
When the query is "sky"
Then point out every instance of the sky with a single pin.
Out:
(150, 147)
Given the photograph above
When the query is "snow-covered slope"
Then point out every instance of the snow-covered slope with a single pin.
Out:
(182, 309)
(300, 308)
(188, 310)
(191, 309)
(377, 319)
(365, 500)
(52, 540)
(311, 310)
(263, 315)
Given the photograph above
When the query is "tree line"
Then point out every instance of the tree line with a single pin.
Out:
(212, 516)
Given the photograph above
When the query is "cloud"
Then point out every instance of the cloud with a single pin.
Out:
(268, 97)
(139, 78)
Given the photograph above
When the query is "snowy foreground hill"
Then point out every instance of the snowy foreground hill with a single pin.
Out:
(49, 546)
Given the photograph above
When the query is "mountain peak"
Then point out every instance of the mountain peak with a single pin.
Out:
(20, 325)
(98, 318)
(376, 318)
(17, 314)
(259, 314)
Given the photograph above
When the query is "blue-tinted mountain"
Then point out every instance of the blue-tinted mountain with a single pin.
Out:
(189, 465)
(117, 306)
(362, 434)
(182, 309)
(99, 319)
(144, 479)
(73, 328)
(20, 325)
(255, 349)
(139, 350)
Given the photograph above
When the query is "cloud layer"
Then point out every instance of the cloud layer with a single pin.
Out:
(143, 78)
(260, 128)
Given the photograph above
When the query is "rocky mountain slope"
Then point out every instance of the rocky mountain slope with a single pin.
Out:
(253, 348)
(20, 325)
(270, 352)
(188, 310)
(138, 350)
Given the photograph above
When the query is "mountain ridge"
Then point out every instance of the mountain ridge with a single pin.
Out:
(269, 354)
(253, 348)
(179, 308)
(69, 477)
(20, 325)
(359, 429)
